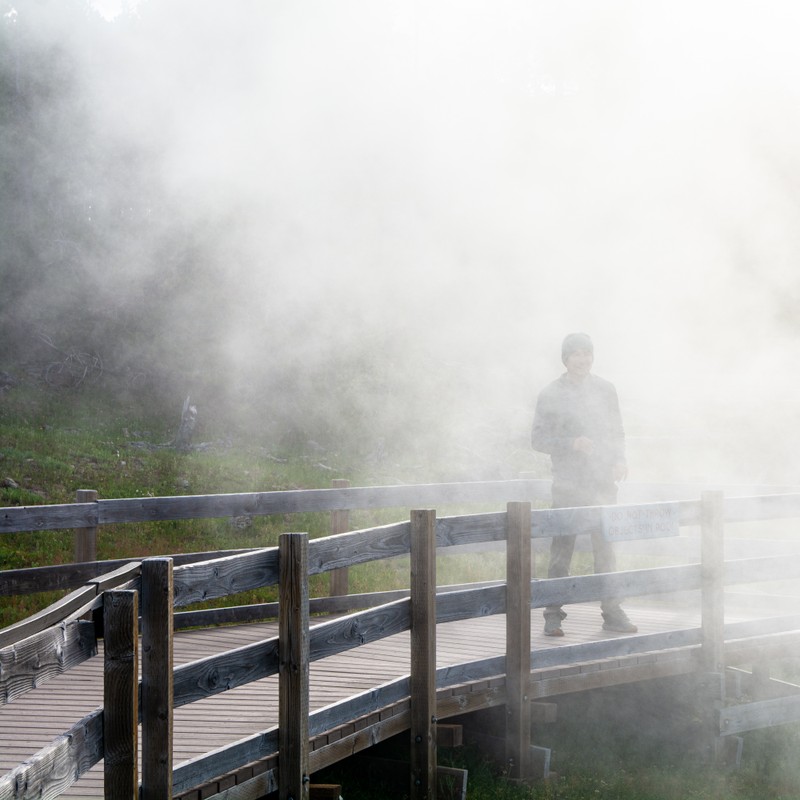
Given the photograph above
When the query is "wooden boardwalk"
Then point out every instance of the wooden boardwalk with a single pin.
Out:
(35, 719)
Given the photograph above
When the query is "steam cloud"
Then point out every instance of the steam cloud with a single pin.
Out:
(456, 185)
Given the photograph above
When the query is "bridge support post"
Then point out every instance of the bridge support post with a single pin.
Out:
(293, 668)
(423, 655)
(157, 682)
(518, 639)
(712, 557)
(340, 523)
(121, 694)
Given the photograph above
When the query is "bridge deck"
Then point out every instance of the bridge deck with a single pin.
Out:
(35, 719)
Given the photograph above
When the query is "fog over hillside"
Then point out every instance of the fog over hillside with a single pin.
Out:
(436, 193)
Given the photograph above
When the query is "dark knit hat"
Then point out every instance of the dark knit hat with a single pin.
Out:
(573, 342)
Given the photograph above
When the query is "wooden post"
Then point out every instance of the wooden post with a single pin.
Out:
(518, 638)
(157, 686)
(85, 538)
(712, 556)
(423, 655)
(121, 694)
(293, 671)
(340, 523)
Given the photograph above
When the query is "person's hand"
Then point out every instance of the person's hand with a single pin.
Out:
(583, 444)
(620, 472)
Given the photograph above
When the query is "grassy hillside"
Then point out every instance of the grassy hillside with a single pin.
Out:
(53, 443)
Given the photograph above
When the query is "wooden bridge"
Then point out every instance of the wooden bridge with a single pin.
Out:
(114, 691)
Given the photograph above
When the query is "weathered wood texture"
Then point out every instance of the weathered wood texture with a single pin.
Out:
(121, 695)
(340, 523)
(713, 586)
(423, 655)
(518, 639)
(366, 665)
(39, 658)
(144, 509)
(58, 766)
(759, 715)
(293, 775)
(85, 538)
(71, 576)
(241, 666)
(75, 604)
(157, 687)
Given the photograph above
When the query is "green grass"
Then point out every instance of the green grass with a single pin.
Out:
(762, 776)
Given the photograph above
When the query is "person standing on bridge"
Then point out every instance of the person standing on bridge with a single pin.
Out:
(578, 423)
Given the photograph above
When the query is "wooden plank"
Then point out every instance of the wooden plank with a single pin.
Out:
(465, 530)
(518, 639)
(423, 654)
(358, 547)
(16, 519)
(219, 673)
(586, 519)
(293, 771)
(55, 768)
(202, 769)
(586, 588)
(104, 512)
(359, 706)
(121, 695)
(377, 732)
(779, 506)
(74, 604)
(157, 667)
(758, 715)
(39, 658)
(468, 603)
(70, 576)
(313, 500)
(542, 687)
(208, 580)
(755, 570)
(53, 614)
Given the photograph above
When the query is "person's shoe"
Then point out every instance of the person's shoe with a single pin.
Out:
(618, 622)
(552, 627)
(552, 623)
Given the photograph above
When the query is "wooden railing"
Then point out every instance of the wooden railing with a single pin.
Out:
(62, 636)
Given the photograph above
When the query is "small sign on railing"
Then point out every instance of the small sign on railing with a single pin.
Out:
(623, 523)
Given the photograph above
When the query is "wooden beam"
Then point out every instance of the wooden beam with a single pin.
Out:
(762, 714)
(86, 538)
(423, 655)
(293, 674)
(340, 523)
(121, 695)
(149, 509)
(713, 587)
(157, 691)
(518, 638)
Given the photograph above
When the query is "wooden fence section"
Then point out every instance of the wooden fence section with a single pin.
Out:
(61, 637)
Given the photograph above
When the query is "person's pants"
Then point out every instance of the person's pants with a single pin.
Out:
(562, 547)
(561, 550)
